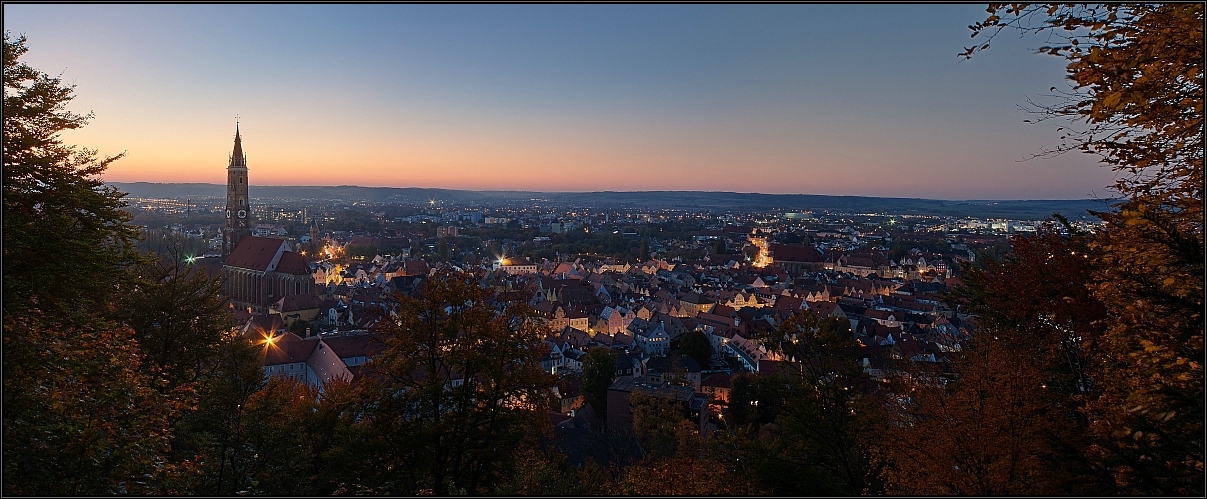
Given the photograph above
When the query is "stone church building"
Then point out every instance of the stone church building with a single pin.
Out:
(257, 271)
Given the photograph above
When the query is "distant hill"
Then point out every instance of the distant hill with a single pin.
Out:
(1074, 209)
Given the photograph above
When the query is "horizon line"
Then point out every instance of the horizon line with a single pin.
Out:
(620, 191)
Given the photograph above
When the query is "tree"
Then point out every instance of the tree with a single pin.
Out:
(442, 250)
(985, 434)
(683, 476)
(209, 442)
(1148, 417)
(1136, 101)
(302, 328)
(78, 421)
(751, 252)
(1136, 89)
(599, 369)
(495, 249)
(754, 400)
(1040, 293)
(826, 423)
(66, 238)
(695, 344)
(1012, 420)
(657, 423)
(456, 390)
(161, 241)
(281, 439)
(547, 473)
(80, 416)
(718, 246)
(178, 314)
(789, 237)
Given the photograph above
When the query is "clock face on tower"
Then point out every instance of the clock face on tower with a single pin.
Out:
(228, 213)
(242, 213)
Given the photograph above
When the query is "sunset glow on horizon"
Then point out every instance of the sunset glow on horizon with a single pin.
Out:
(864, 100)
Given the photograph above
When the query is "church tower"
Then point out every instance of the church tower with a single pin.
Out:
(238, 213)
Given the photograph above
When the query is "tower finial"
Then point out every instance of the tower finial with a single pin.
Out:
(237, 156)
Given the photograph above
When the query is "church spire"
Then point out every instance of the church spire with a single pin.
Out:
(237, 157)
(238, 212)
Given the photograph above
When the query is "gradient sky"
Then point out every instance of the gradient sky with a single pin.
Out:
(812, 99)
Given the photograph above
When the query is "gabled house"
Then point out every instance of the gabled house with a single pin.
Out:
(663, 368)
(574, 360)
(651, 338)
(553, 360)
(691, 304)
(308, 360)
(717, 387)
(297, 307)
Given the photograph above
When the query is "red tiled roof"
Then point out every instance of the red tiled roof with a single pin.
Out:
(695, 298)
(864, 259)
(824, 308)
(415, 267)
(354, 345)
(254, 253)
(873, 313)
(576, 337)
(788, 303)
(293, 263)
(545, 308)
(723, 311)
(294, 303)
(795, 253)
(288, 349)
(364, 241)
(714, 320)
(719, 380)
(570, 386)
(257, 325)
(769, 366)
(241, 315)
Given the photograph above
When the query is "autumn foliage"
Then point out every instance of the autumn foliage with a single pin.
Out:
(1084, 376)
(1117, 315)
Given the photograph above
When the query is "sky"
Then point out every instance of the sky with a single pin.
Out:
(849, 99)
